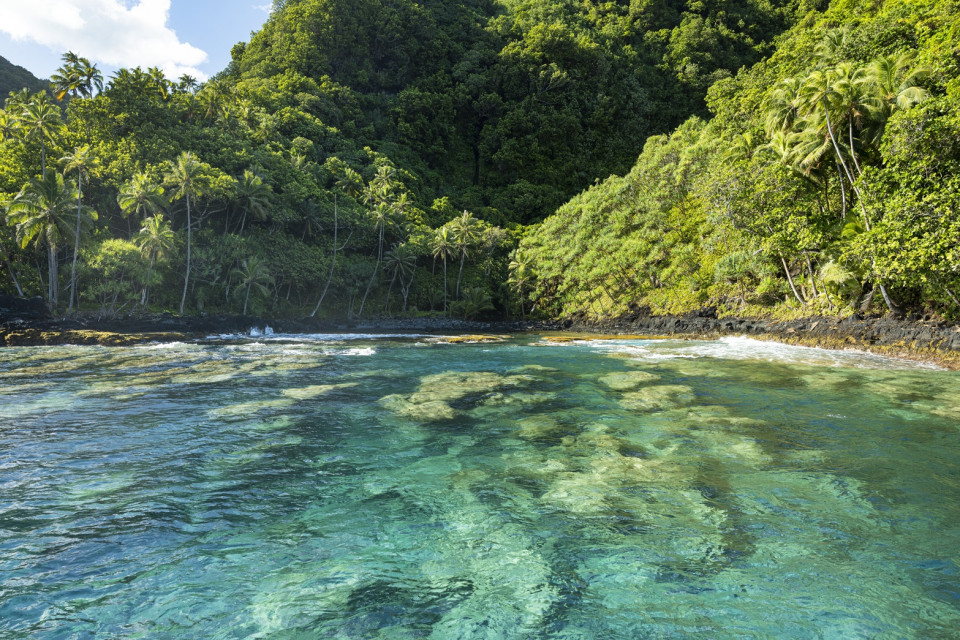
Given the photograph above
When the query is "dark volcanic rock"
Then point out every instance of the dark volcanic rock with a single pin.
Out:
(927, 339)
(22, 309)
(930, 339)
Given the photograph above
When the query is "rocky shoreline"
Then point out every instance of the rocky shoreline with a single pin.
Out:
(25, 323)
(916, 339)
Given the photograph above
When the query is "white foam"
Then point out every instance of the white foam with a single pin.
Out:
(358, 351)
(268, 335)
(742, 348)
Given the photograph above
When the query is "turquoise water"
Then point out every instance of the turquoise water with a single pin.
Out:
(324, 487)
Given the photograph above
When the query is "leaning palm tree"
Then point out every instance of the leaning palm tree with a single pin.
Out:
(186, 175)
(43, 210)
(854, 104)
(84, 163)
(253, 273)
(382, 216)
(156, 241)
(443, 248)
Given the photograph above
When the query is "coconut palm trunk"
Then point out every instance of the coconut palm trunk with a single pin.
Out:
(53, 274)
(333, 260)
(186, 277)
(76, 248)
(144, 293)
(463, 258)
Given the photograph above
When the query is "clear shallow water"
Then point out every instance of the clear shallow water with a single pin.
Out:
(406, 488)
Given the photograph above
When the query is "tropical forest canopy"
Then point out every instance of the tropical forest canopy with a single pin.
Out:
(360, 158)
(827, 179)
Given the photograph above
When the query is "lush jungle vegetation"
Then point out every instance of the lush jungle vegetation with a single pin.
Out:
(360, 158)
(826, 180)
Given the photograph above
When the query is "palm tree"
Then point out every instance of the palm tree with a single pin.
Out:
(5, 252)
(895, 85)
(155, 240)
(186, 175)
(350, 183)
(90, 78)
(140, 196)
(521, 275)
(84, 163)
(9, 125)
(400, 260)
(253, 273)
(42, 209)
(466, 232)
(66, 79)
(382, 213)
(854, 103)
(831, 47)
(333, 261)
(443, 247)
(40, 120)
(160, 83)
(782, 106)
(253, 197)
(77, 77)
(187, 83)
(214, 97)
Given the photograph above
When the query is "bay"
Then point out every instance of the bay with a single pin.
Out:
(408, 487)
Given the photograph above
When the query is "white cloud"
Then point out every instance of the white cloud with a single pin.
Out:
(119, 33)
(266, 8)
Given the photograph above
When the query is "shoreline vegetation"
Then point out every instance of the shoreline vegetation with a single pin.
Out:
(796, 160)
(933, 341)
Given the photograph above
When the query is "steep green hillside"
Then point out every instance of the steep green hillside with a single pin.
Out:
(827, 180)
(360, 158)
(516, 104)
(355, 158)
(14, 78)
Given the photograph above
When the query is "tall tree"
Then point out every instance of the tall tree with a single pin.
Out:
(253, 273)
(466, 233)
(43, 210)
(40, 120)
(443, 248)
(155, 241)
(91, 80)
(400, 260)
(521, 276)
(66, 79)
(84, 163)
(187, 176)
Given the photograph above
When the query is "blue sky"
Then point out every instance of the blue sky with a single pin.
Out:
(179, 36)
